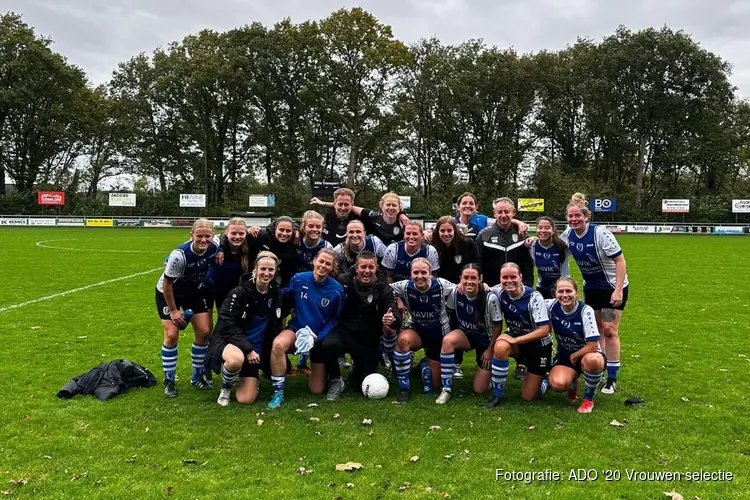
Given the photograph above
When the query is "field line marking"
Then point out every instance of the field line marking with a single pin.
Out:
(79, 289)
(41, 244)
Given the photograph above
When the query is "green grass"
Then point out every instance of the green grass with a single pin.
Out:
(684, 337)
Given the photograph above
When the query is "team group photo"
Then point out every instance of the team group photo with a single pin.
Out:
(387, 250)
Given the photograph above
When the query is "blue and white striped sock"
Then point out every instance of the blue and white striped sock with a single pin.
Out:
(543, 387)
(169, 361)
(613, 366)
(277, 382)
(388, 343)
(228, 378)
(198, 356)
(499, 376)
(447, 364)
(402, 360)
(591, 381)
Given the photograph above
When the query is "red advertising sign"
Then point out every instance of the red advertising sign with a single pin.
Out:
(51, 198)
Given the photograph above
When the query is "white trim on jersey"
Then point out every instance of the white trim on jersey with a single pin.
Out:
(538, 309)
(379, 247)
(607, 248)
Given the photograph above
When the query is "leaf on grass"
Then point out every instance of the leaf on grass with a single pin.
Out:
(189, 461)
(336, 416)
(615, 423)
(314, 420)
(673, 495)
(404, 486)
(18, 482)
(448, 457)
(5, 492)
(471, 424)
(367, 422)
(434, 427)
(349, 485)
(35, 327)
(445, 495)
(741, 356)
(466, 452)
(378, 466)
(318, 433)
(684, 399)
(48, 457)
(312, 405)
(304, 472)
(636, 356)
(76, 477)
(260, 421)
(723, 370)
(169, 490)
(532, 460)
(499, 419)
(348, 467)
(532, 427)
(131, 460)
(147, 429)
(83, 337)
(300, 459)
(299, 410)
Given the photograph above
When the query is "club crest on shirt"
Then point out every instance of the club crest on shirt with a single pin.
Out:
(369, 299)
(470, 309)
(396, 230)
(325, 302)
(424, 299)
(579, 247)
(278, 312)
(546, 255)
(457, 259)
(270, 303)
(515, 238)
(493, 239)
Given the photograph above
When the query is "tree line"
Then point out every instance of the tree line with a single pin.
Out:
(637, 116)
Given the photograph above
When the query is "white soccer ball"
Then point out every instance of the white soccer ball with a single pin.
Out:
(375, 386)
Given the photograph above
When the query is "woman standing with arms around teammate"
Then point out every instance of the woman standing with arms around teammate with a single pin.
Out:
(605, 279)
(311, 241)
(550, 256)
(578, 349)
(231, 262)
(528, 336)
(278, 239)
(178, 288)
(240, 344)
(317, 300)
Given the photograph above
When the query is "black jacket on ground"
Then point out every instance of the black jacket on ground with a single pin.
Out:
(365, 306)
(107, 380)
(243, 303)
(497, 246)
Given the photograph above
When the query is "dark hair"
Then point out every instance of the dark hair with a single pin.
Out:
(365, 255)
(458, 237)
(328, 251)
(481, 294)
(559, 243)
(464, 195)
(283, 218)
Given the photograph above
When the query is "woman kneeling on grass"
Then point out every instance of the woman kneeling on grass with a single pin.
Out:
(248, 320)
(317, 300)
(578, 351)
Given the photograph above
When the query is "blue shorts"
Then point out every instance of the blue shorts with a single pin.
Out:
(432, 341)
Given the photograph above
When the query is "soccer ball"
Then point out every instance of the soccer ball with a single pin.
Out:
(375, 386)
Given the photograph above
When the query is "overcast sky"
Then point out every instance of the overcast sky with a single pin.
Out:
(96, 36)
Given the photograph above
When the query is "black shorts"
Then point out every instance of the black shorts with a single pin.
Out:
(196, 302)
(536, 358)
(250, 370)
(432, 341)
(316, 354)
(479, 343)
(547, 293)
(562, 358)
(599, 299)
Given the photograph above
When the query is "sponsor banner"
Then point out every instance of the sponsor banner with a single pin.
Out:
(262, 200)
(741, 206)
(13, 221)
(617, 228)
(531, 204)
(47, 221)
(71, 221)
(699, 229)
(605, 205)
(219, 223)
(325, 188)
(183, 223)
(157, 223)
(641, 229)
(675, 206)
(50, 198)
(99, 223)
(121, 199)
(127, 223)
(665, 229)
(728, 230)
(192, 200)
(406, 202)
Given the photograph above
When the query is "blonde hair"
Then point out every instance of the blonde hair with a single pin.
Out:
(343, 192)
(579, 200)
(244, 247)
(202, 223)
(310, 214)
(265, 254)
(412, 222)
(391, 195)
(423, 261)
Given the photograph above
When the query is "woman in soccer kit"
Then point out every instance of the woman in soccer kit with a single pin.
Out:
(440, 317)
(605, 281)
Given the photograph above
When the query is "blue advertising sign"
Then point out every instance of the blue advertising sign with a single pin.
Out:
(605, 205)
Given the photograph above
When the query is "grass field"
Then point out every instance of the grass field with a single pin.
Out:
(685, 351)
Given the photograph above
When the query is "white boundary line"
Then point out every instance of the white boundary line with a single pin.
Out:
(41, 244)
(68, 292)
